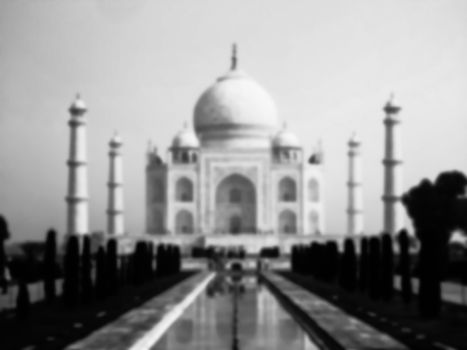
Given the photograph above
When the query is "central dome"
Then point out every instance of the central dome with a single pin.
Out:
(236, 112)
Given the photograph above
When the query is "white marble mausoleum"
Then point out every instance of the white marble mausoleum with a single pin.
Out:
(240, 172)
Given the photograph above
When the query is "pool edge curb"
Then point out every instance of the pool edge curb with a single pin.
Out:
(159, 329)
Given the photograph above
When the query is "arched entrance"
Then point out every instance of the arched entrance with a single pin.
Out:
(235, 205)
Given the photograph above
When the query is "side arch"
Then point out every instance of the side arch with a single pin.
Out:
(287, 222)
(184, 190)
(184, 222)
(287, 190)
(314, 221)
(313, 191)
(158, 222)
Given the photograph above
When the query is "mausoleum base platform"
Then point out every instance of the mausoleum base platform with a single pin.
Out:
(251, 242)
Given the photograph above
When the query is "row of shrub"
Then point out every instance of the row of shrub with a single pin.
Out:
(88, 277)
(371, 273)
(269, 252)
(211, 252)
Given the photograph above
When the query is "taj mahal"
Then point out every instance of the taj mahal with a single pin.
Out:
(239, 177)
(237, 172)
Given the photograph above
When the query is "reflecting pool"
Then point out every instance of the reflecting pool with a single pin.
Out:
(242, 311)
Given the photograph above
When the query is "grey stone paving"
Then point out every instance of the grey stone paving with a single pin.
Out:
(126, 331)
(348, 331)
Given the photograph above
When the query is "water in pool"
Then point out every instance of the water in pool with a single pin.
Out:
(260, 321)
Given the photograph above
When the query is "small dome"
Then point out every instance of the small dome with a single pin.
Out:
(285, 139)
(78, 106)
(186, 138)
(392, 107)
(116, 140)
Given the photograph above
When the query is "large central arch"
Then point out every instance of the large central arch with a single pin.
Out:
(235, 205)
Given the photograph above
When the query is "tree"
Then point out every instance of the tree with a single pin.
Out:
(101, 279)
(23, 303)
(87, 289)
(112, 266)
(331, 263)
(387, 267)
(50, 265)
(374, 260)
(436, 211)
(4, 235)
(363, 269)
(139, 263)
(404, 266)
(313, 252)
(178, 259)
(293, 258)
(71, 282)
(348, 273)
(150, 269)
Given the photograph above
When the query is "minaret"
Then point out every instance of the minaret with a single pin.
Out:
(77, 198)
(355, 204)
(393, 210)
(115, 222)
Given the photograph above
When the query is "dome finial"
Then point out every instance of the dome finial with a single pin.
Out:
(391, 106)
(233, 59)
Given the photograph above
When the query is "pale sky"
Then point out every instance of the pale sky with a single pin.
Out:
(140, 65)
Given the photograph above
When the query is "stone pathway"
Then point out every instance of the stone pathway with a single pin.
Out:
(141, 327)
(348, 331)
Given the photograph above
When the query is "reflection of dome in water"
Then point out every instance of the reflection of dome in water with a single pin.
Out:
(288, 330)
(184, 334)
(235, 111)
(223, 321)
(248, 307)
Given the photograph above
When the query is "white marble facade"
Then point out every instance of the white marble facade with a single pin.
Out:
(237, 172)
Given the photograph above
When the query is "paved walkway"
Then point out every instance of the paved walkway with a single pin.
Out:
(348, 331)
(451, 292)
(143, 326)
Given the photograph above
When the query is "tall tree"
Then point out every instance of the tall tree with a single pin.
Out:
(50, 265)
(112, 265)
(404, 266)
(87, 290)
(331, 263)
(23, 303)
(4, 235)
(374, 260)
(101, 280)
(436, 211)
(387, 267)
(363, 266)
(71, 283)
(348, 271)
